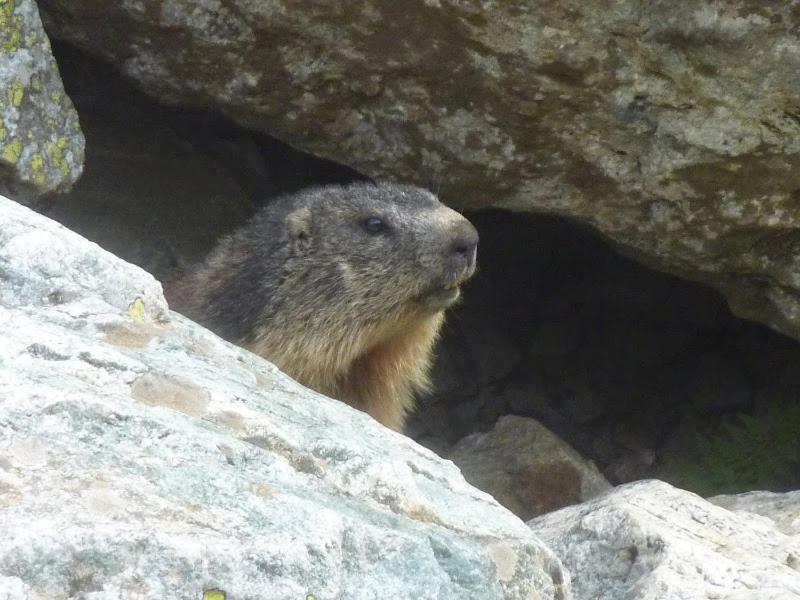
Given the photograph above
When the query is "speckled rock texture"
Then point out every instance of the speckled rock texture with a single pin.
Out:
(782, 509)
(41, 144)
(650, 541)
(143, 457)
(526, 467)
(672, 127)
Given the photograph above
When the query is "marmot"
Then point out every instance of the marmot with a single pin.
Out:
(343, 288)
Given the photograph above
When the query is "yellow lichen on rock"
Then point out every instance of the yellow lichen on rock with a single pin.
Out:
(6, 12)
(37, 166)
(40, 137)
(12, 151)
(55, 152)
(136, 310)
(16, 93)
(10, 26)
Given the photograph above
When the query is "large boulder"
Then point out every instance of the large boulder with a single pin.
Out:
(650, 541)
(41, 144)
(142, 456)
(672, 127)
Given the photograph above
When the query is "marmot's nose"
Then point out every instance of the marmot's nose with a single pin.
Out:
(465, 243)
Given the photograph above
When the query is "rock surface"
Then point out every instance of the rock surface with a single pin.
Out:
(672, 127)
(782, 509)
(141, 456)
(527, 467)
(41, 144)
(650, 541)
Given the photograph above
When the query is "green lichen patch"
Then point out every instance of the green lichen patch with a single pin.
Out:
(12, 151)
(13, 38)
(37, 167)
(11, 26)
(55, 152)
(16, 92)
(7, 8)
(136, 310)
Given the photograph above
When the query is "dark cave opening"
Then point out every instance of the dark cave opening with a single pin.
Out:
(640, 371)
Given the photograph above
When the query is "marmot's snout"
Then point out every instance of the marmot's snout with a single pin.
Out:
(454, 262)
(464, 247)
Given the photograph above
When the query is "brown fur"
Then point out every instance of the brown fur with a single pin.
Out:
(349, 313)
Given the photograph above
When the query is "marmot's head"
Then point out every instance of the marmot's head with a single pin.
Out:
(378, 247)
(342, 287)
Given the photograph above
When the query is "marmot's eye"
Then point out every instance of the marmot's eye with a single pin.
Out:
(374, 224)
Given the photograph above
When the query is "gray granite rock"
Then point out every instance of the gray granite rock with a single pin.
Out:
(650, 541)
(143, 457)
(672, 127)
(41, 144)
(782, 509)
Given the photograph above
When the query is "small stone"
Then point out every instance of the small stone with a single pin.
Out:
(526, 467)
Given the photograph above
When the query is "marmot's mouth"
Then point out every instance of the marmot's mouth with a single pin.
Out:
(446, 292)
(441, 297)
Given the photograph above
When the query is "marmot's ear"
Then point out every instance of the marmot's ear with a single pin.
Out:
(300, 228)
